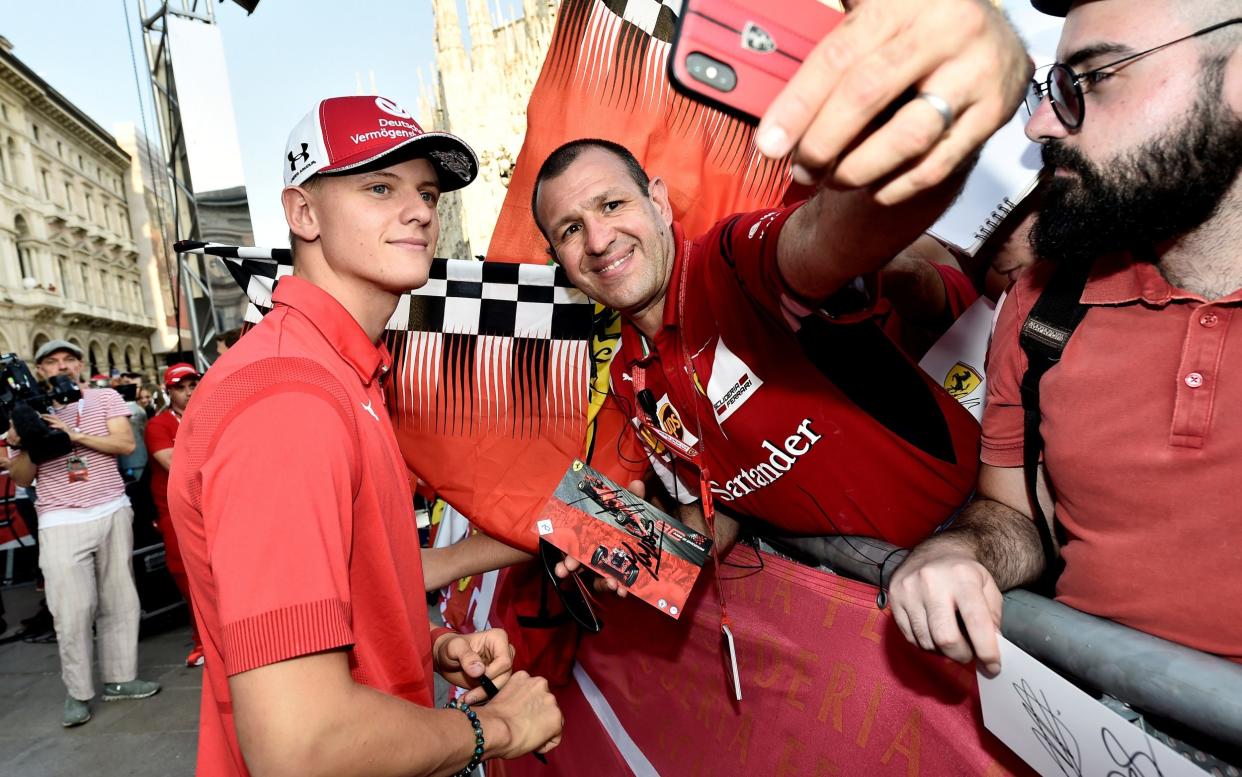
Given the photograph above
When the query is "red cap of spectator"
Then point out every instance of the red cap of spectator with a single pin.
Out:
(179, 372)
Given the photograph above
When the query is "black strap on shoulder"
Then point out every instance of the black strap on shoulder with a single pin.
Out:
(1045, 333)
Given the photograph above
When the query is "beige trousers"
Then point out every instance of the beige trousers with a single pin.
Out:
(89, 578)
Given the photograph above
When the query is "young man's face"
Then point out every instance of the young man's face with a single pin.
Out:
(381, 227)
(615, 244)
(60, 363)
(179, 394)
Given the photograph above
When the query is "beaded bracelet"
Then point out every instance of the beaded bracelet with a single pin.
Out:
(478, 736)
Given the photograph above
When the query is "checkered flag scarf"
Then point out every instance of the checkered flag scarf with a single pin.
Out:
(488, 393)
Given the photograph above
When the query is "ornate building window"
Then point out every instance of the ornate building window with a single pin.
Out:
(24, 265)
(14, 176)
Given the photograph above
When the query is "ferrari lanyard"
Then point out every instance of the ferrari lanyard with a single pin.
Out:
(648, 418)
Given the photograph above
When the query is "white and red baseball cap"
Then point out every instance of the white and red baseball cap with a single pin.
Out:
(353, 134)
(179, 372)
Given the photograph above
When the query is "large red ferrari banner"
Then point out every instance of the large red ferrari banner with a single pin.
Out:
(829, 685)
(606, 76)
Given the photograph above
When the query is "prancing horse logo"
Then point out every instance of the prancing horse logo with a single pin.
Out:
(962, 380)
(757, 39)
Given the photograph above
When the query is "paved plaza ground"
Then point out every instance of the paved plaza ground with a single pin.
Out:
(155, 736)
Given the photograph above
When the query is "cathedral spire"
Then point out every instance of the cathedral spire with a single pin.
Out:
(450, 55)
(482, 35)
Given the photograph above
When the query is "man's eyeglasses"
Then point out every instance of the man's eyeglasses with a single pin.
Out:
(1063, 87)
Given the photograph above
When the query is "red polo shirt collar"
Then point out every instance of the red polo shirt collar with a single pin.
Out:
(1119, 279)
(337, 326)
(671, 313)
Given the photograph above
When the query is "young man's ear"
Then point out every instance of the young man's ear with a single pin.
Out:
(299, 213)
(659, 195)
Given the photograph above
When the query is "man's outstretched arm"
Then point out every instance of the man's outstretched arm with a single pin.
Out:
(992, 547)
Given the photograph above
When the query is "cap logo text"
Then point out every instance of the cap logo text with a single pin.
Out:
(391, 108)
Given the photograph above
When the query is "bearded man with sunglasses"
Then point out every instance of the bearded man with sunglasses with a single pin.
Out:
(1141, 126)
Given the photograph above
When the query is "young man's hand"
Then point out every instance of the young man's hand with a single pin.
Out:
(463, 658)
(523, 718)
(962, 52)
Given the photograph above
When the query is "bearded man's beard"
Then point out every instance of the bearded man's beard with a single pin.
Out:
(1142, 198)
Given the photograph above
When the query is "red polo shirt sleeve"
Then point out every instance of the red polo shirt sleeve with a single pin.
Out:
(277, 507)
(1002, 415)
(746, 245)
(161, 432)
(959, 292)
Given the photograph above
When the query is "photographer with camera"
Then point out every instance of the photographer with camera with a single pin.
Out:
(85, 527)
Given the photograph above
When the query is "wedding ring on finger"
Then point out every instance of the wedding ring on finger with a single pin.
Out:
(941, 106)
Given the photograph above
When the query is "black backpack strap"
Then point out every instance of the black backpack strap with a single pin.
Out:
(1045, 333)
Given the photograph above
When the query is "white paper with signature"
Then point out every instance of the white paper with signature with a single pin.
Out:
(1061, 731)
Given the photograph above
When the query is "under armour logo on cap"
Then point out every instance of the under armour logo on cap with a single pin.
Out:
(293, 158)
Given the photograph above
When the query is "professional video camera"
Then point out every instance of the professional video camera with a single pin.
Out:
(23, 400)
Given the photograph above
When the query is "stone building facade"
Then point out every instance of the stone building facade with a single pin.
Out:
(481, 95)
(69, 265)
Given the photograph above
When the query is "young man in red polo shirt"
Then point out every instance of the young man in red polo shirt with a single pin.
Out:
(1138, 417)
(292, 503)
(180, 380)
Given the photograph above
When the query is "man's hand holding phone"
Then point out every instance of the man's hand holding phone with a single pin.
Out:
(961, 57)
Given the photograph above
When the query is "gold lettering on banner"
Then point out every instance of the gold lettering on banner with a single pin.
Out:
(826, 767)
(711, 713)
(673, 742)
(868, 629)
(785, 767)
(770, 652)
(741, 738)
(831, 615)
(783, 593)
(873, 705)
(758, 588)
(735, 587)
(689, 676)
(675, 682)
(908, 742)
(840, 687)
(801, 674)
(644, 663)
(667, 681)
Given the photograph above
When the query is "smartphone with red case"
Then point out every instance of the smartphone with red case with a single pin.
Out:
(737, 55)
